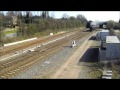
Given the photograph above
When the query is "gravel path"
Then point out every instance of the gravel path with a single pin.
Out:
(49, 65)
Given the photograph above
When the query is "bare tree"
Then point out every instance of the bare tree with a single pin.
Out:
(13, 15)
(1, 26)
(45, 14)
(82, 19)
(72, 18)
(65, 16)
(52, 15)
(28, 17)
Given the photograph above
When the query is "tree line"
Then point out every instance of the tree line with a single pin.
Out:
(29, 24)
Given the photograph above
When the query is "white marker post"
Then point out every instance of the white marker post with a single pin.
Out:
(73, 43)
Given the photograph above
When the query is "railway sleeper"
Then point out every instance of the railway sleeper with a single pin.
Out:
(23, 67)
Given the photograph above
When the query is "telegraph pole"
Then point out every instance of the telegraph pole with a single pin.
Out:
(119, 17)
(1, 27)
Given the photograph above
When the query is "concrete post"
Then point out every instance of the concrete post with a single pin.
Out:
(73, 43)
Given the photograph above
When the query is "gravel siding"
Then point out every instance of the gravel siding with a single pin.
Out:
(49, 65)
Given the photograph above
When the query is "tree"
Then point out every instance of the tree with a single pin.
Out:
(10, 13)
(9, 18)
(52, 15)
(19, 13)
(41, 25)
(117, 26)
(72, 18)
(110, 24)
(28, 17)
(30, 24)
(12, 17)
(82, 19)
(21, 31)
(65, 16)
(1, 26)
(45, 14)
(31, 29)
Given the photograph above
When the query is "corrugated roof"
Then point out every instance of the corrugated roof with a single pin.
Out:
(112, 39)
(103, 30)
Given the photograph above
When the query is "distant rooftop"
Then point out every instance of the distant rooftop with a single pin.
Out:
(112, 39)
(103, 30)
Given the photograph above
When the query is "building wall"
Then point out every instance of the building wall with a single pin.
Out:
(102, 55)
(103, 35)
(98, 36)
(113, 51)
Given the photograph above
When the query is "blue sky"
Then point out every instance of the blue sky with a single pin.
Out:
(90, 15)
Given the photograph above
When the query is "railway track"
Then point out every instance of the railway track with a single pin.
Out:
(14, 48)
(15, 66)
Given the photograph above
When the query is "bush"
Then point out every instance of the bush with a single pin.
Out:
(117, 26)
(110, 24)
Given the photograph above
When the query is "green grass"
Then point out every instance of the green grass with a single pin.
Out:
(96, 74)
(39, 34)
(115, 75)
(95, 70)
(95, 44)
(45, 77)
(116, 71)
(9, 32)
(47, 32)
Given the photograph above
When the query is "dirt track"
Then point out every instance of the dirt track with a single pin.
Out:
(71, 70)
